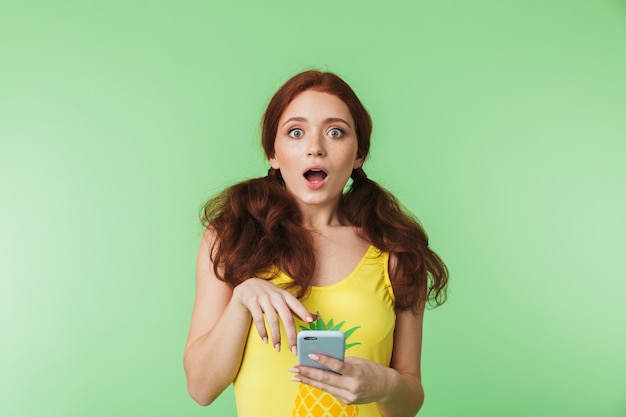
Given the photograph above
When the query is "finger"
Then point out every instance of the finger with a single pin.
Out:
(331, 363)
(288, 323)
(299, 309)
(272, 322)
(259, 322)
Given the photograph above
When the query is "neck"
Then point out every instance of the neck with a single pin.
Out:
(317, 217)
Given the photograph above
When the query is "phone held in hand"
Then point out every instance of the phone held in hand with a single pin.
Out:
(325, 342)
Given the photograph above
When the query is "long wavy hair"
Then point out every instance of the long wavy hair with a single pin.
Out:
(258, 224)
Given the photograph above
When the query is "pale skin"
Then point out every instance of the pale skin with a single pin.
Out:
(316, 129)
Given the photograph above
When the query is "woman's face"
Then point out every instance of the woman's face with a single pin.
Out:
(316, 148)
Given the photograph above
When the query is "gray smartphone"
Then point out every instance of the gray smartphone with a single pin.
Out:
(326, 342)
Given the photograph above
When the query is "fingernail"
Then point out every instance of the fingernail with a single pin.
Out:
(265, 340)
(294, 370)
(277, 347)
(314, 357)
(309, 319)
(295, 379)
(294, 350)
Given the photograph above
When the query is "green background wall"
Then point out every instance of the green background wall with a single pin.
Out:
(501, 124)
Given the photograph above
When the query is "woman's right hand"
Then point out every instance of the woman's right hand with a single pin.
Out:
(262, 298)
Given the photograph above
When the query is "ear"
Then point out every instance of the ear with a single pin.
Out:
(358, 163)
(274, 162)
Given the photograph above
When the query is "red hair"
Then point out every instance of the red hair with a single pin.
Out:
(258, 224)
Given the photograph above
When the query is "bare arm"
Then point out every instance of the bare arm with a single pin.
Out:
(217, 333)
(405, 395)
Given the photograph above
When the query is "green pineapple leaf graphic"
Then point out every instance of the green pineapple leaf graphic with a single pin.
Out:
(320, 324)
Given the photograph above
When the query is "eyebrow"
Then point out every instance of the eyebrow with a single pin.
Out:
(328, 120)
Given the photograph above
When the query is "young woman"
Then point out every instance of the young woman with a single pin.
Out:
(293, 251)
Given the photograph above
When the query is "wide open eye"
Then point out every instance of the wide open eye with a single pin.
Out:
(335, 132)
(296, 133)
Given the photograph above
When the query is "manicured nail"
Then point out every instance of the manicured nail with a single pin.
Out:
(265, 340)
(294, 350)
(277, 347)
(294, 370)
(314, 357)
(295, 379)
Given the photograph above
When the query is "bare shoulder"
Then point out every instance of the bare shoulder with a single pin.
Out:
(393, 263)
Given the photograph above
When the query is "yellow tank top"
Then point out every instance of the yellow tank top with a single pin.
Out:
(362, 306)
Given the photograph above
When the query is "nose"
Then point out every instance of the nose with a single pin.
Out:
(316, 146)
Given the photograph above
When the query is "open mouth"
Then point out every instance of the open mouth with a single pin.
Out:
(315, 175)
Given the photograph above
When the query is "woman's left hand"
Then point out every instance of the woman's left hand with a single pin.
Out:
(357, 381)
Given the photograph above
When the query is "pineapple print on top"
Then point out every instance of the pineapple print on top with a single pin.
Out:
(312, 402)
